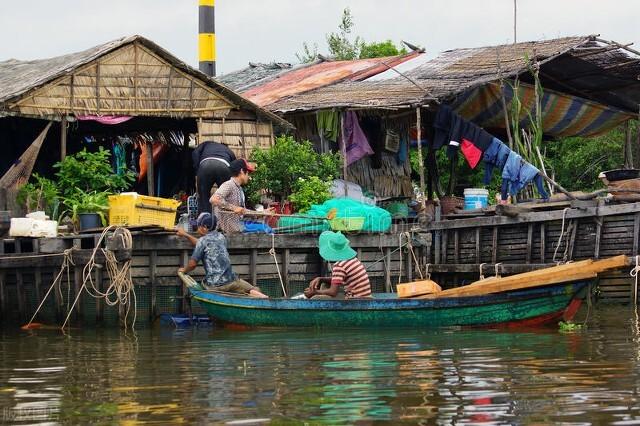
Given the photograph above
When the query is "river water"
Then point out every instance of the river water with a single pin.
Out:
(208, 375)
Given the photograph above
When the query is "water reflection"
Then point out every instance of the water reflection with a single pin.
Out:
(337, 376)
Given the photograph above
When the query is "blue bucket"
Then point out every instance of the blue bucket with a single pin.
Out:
(475, 198)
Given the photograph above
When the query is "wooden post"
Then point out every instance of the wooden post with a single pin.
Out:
(543, 241)
(408, 267)
(456, 246)
(420, 159)
(596, 249)
(478, 248)
(150, 171)
(437, 236)
(243, 146)
(343, 153)
(153, 258)
(20, 283)
(494, 246)
(253, 270)
(285, 269)
(184, 261)
(529, 242)
(387, 270)
(572, 238)
(3, 303)
(636, 233)
(445, 243)
(98, 88)
(77, 283)
(628, 146)
(37, 275)
(63, 138)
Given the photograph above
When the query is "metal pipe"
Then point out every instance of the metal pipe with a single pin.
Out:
(207, 37)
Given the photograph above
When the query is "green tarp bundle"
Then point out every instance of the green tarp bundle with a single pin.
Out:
(376, 219)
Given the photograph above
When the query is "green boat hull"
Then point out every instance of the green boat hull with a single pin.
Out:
(528, 307)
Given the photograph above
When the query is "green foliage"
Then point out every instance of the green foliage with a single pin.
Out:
(309, 191)
(341, 47)
(280, 167)
(40, 194)
(308, 54)
(576, 162)
(344, 47)
(380, 49)
(86, 202)
(90, 171)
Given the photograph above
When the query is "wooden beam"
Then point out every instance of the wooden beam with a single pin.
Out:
(596, 248)
(543, 242)
(456, 246)
(19, 283)
(478, 248)
(636, 233)
(529, 242)
(99, 300)
(77, 283)
(387, 270)
(150, 171)
(98, 87)
(63, 137)
(285, 269)
(494, 245)
(252, 267)
(184, 261)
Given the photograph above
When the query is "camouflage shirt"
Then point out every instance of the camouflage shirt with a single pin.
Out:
(211, 249)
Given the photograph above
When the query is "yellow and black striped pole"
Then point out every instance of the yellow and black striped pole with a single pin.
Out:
(207, 37)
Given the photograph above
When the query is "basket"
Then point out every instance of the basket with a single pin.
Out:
(450, 204)
(133, 209)
(347, 223)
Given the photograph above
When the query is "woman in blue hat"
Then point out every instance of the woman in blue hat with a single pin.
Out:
(347, 272)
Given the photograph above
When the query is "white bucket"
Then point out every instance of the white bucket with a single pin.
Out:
(21, 227)
(475, 198)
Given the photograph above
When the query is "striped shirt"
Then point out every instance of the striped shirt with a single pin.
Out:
(352, 275)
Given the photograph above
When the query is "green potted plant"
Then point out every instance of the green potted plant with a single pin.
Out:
(41, 194)
(87, 209)
(308, 192)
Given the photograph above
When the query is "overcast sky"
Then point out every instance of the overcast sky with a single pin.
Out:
(273, 30)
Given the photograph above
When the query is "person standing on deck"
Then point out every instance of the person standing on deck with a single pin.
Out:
(229, 201)
(211, 249)
(211, 162)
(348, 272)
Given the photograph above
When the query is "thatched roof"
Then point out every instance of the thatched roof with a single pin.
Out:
(128, 76)
(585, 66)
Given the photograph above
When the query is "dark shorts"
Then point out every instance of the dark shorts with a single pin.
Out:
(238, 286)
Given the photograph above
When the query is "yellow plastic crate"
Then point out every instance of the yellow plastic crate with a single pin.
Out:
(135, 209)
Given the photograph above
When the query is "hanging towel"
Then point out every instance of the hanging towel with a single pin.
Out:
(354, 139)
(327, 122)
(471, 153)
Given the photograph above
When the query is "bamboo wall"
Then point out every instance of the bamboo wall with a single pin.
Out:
(242, 136)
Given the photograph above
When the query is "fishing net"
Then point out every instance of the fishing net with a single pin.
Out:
(19, 173)
(375, 218)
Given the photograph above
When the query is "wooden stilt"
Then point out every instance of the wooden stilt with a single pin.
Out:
(63, 137)
(478, 248)
(253, 270)
(494, 246)
(529, 242)
(387, 270)
(543, 242)
(77, 284)
(185, 307)
(99, 300)
(150, 171)
(153, 258)
(20, 284)
(456, 246)
(636, 233)
(285, 269)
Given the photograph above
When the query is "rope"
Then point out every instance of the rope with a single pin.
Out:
(564, 213)
(634, 273)
(272, 252)
(121, 290)
(68, 260)
(413, 254)
(400, 235)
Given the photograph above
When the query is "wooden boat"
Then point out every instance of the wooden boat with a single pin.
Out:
(529, 299)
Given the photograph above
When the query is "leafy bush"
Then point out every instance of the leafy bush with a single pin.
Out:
(41, 194)
(90, 171)
(281, 166)
(308, 192)
(87, 202)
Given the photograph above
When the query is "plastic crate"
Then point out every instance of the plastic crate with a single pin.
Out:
(135, 209)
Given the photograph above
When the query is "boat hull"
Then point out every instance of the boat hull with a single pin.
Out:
(525, 307)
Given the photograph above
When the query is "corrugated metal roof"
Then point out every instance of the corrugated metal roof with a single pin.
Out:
(309, 77)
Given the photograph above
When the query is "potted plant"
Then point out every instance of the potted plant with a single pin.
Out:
(87, 209)
(40, 195)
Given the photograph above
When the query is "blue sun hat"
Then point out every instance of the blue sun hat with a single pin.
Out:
(335, 247)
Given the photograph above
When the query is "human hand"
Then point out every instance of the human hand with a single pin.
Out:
(315, 283)
(181, 270)
(309, 292)
(181, 232)
(239, 210)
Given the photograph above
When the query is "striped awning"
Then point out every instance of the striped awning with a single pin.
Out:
(563, 115)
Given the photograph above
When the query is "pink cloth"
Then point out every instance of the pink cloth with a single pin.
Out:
(105, 119)
(356, 143)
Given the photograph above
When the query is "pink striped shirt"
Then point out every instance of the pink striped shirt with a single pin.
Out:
(353, 276)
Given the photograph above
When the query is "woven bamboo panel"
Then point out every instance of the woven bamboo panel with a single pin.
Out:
(131, 80)
(240, 135)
